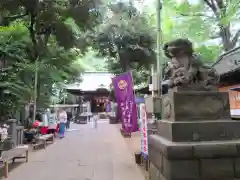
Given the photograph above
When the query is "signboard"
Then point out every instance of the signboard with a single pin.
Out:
(234, 99)
(123, 89)
(143, 130)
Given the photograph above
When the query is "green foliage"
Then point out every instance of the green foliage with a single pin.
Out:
(198, 21)
(208, 53)
(208, 20)
(46, 17)
(90, 61)
(41, 36)
(126, 37)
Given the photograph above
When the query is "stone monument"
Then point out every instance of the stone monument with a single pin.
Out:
(196, 138)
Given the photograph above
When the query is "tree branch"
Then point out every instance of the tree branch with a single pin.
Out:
(12, 18)
(197, 14)
(215, 37)
(212, 6)
(235, 38)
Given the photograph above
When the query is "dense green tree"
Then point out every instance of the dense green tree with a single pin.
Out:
(204, 21)
(17, 69)
(42, 39)
(211, 25)
(90, 61)
(125, 39)
(216, 18)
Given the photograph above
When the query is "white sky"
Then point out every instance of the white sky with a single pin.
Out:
(93, 81)
(140, 4)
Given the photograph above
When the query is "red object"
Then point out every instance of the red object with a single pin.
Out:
(43, 130)
(35, 124)
(57, 128)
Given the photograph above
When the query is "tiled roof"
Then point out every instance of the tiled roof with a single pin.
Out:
(228, 62)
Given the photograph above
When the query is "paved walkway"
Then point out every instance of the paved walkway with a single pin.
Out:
(85, 154)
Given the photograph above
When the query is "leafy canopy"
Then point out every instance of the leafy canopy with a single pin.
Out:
(41, 34)
(125, 36)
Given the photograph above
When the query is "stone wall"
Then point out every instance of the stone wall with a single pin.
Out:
(197, 141)
(193, 161)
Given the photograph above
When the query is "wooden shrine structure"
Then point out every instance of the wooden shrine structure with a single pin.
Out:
(95, 88)
(228, 66)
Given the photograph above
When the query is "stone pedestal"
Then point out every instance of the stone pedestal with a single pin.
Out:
(12, 131)
(196, 140)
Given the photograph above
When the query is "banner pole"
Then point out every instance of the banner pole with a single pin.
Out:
(134, 94)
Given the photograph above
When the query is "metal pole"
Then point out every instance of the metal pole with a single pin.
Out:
(152, 73)
(159, 46)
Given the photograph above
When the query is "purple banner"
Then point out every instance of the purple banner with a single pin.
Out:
(123, 89)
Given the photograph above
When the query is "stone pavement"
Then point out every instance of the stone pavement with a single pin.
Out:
(84, 154)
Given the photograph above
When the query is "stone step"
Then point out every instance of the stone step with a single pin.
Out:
(190, 150)
(199, 130)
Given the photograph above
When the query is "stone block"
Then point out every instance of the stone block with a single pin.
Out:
(199, 130)
(196, 106)
(154, 173)
(186, 150)
(155, 157)
(170, 150)
(215, 150)
(180, 169)
(222, 168)
(238, 147)
(237, 167)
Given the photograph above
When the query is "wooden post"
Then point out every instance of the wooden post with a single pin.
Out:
(27, 156)
(6, 169)
(45, 144)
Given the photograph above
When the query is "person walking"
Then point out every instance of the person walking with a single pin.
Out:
(62, 117)
(95, 121)
(52, 122)
(69, 118)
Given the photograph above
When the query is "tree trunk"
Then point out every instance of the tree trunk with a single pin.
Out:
(124, 62)
(219, 8)
(225, 35)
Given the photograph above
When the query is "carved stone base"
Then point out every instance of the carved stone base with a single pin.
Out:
(193, 161)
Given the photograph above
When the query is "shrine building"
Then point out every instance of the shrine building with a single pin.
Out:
(228, 66)
(94, 88)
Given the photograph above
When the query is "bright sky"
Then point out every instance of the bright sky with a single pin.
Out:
(141, 4)
(93, 81)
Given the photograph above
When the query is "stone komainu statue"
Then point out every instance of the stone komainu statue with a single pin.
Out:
(184, 68)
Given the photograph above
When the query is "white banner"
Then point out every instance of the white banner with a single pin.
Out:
(143, 129)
